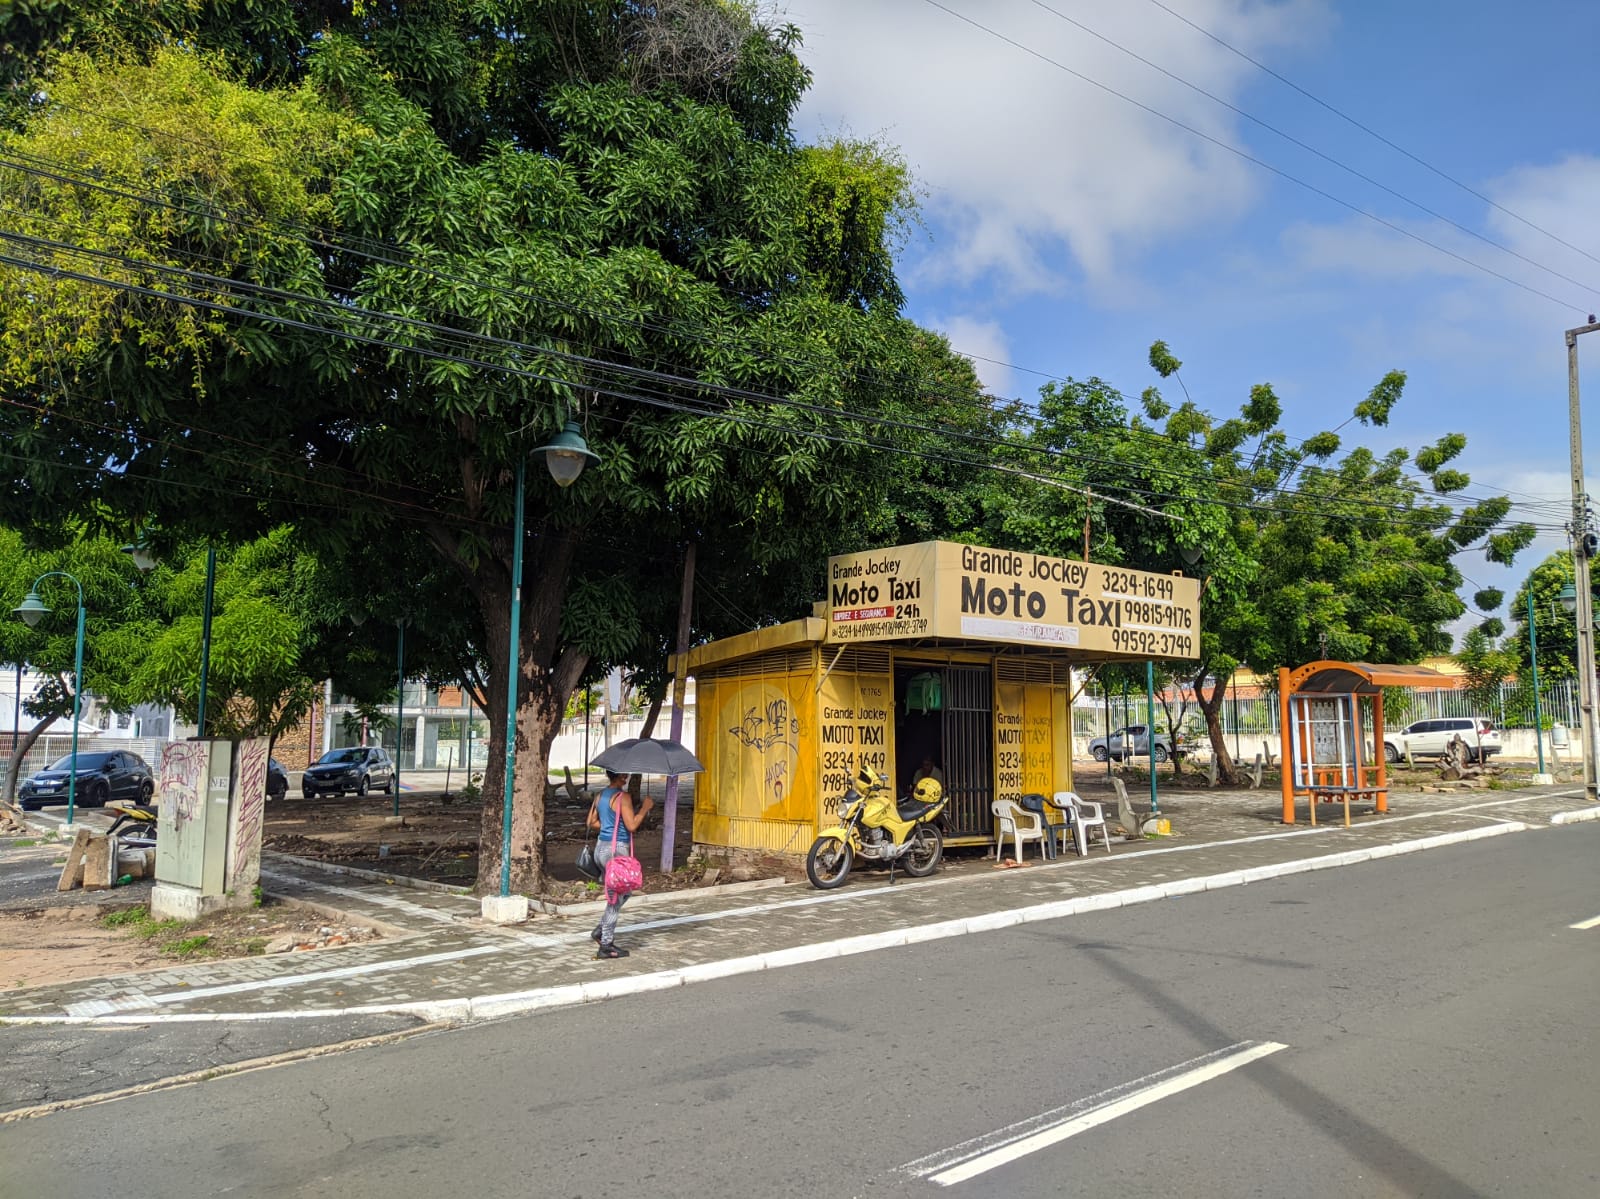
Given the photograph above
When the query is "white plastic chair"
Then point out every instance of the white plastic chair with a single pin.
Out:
(1019, 824)
(1087, 815)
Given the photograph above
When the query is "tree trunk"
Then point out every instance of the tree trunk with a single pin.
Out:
(20, 751)
(1211, 705)
(656, 701)
(546, 677)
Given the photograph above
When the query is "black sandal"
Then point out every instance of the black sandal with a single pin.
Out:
(610, 951)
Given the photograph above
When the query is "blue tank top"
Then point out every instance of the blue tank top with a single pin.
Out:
(608, 820)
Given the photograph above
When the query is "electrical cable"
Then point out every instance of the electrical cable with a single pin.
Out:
(462, 336)
(1250, 158)
(99, 184)
(1310, 149)
(1442, 510)
(1344, 116)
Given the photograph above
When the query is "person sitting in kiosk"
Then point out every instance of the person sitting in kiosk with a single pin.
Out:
(928, 771)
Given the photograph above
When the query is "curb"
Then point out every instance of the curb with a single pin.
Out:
(489, 1007)
(220, 1071)
(1575, 817)
(377, 876)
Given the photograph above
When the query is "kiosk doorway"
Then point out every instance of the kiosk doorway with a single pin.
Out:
(950, 721)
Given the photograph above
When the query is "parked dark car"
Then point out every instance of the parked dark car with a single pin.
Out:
(352, 770)
(277, 780)
(103, 776)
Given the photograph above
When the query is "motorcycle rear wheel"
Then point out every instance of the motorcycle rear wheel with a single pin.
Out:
(828, 863)
(927, 847)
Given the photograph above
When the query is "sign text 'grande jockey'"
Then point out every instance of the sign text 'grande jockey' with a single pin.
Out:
(942, 589)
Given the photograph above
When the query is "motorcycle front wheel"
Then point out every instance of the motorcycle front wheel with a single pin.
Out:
(927, 847)
(828, 863)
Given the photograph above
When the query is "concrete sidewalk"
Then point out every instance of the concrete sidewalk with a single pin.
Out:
(441, 962)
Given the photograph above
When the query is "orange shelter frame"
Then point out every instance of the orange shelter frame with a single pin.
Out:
(1350, 777)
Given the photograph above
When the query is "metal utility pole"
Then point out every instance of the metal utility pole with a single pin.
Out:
(1584, 543)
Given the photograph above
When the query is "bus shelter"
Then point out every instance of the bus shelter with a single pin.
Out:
(941, 655)
(1331, 722)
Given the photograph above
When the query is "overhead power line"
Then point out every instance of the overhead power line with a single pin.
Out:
(1255, 161)
(1371, 132)
(390, 254)
(1310, 149)
(682, 404)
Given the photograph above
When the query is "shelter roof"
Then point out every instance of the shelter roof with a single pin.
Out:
(1360, 678)
(808, 630)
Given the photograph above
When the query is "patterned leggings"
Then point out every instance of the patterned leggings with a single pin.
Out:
(607, 928)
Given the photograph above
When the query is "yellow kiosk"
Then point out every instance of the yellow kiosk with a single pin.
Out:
(937, 655)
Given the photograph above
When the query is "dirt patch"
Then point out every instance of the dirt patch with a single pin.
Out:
(436, 838)
(63, 944)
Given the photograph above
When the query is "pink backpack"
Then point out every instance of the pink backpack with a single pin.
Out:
(624, 874)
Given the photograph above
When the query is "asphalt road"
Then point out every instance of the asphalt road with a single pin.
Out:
(1420, 1026)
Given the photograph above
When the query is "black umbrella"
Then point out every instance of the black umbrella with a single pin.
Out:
(648, 755)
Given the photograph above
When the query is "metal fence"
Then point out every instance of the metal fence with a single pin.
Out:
(52, 746)
(1249, 717)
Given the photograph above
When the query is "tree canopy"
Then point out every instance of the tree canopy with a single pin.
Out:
(346, 268)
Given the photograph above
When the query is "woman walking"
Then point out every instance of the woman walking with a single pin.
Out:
(616, 817)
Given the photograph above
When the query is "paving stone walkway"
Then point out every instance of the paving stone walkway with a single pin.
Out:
(439, 953)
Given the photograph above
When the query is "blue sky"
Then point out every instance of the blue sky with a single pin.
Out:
(1064, 229)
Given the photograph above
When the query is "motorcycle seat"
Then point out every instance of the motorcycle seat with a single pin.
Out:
(911, 809)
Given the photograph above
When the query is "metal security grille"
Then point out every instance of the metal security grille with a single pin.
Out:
(968, 750)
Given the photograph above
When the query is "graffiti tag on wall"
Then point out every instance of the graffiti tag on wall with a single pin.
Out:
(250, 801)
(182, 783)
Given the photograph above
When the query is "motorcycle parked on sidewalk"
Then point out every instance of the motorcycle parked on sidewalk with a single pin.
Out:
(875, 827)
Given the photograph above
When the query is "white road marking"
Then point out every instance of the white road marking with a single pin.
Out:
(985, 1153)
(1592, 922)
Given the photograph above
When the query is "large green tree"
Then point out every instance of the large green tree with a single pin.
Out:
(1304, 553)
(275, 261)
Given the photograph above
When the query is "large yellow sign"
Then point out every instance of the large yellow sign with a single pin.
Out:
(943, 589)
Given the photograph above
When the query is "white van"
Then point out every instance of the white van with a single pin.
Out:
(1428, 738)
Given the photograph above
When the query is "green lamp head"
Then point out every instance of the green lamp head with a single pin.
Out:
(32, 609)
(567, 454)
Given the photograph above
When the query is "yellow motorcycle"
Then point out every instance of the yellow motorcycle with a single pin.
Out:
(875, 827)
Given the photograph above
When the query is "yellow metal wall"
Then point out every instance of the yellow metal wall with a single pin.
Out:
(856, 728)
(779, 751)
(756, 735)
(1032, 745)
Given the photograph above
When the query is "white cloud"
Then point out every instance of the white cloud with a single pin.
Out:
(986, 344)
(1023, 162)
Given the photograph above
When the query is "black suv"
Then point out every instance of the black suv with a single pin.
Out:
(102, 777)
(348, 770)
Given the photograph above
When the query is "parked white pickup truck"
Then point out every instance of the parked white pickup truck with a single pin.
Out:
(1132, 740)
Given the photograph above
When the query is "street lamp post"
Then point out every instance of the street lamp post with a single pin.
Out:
(145, 560)
(565, 457)
(32, 610)
(1584, 544)
(399, 710)
(205, 637)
